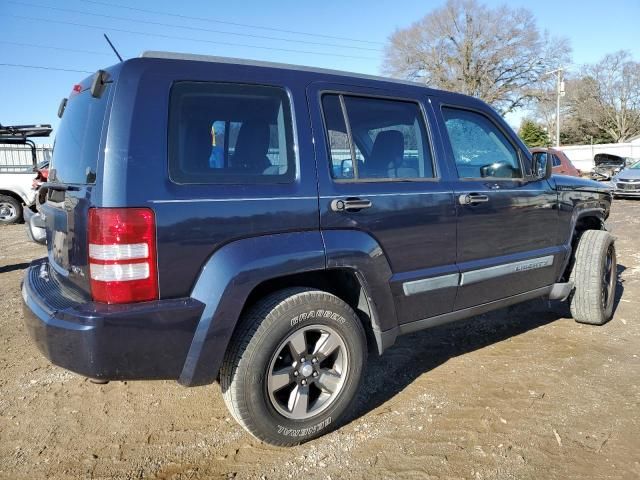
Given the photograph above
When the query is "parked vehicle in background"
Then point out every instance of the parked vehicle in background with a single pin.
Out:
(559, 161)
(16, 177)
(32, 218)
(606, 165)
(626, 183)
(255, 254)
(42, 174)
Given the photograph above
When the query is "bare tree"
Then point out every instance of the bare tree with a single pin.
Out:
(496, 54)
(545, 104)
(607, 96)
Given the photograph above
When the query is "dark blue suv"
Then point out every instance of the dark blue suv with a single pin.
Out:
(266, 225)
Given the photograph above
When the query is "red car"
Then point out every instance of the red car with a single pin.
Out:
(561, 163)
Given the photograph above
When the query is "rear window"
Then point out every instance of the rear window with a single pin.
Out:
(228, 133)
(77, 144)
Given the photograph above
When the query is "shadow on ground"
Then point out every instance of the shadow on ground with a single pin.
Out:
(418, 353)
(14, 267)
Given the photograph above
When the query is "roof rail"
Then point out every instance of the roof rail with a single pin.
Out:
(257, 63)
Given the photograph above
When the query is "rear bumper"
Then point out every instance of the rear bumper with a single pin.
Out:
(149, 340)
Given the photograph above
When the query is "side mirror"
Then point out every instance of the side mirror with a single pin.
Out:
(542, 167)
(346, 169)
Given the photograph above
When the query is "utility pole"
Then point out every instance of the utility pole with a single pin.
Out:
(559, 93)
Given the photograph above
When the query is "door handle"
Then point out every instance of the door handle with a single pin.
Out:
(472, 198)
(350, 204)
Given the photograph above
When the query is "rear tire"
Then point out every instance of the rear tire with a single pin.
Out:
(10, 210)
(594, 276)
(294, 365)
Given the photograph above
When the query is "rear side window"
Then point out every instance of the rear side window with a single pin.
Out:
(376, 139)
(227, 133)
(77, 144)
(479, 147)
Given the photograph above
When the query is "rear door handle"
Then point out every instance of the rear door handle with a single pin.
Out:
(350, 204)
(472, 198)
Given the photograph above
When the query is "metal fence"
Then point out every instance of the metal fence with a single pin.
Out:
(18, 159)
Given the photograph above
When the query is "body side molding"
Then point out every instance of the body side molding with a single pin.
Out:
(482, 274)
(434, 283)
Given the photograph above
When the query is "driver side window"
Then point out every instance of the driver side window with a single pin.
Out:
(480, 149)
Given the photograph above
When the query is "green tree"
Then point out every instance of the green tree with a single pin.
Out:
(533, 135)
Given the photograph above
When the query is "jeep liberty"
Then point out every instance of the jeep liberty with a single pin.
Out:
(266, 226)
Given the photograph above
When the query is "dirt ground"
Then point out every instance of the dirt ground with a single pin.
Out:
(519, 393)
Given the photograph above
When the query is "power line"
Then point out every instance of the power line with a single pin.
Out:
(50, 47)
(42, 67)
(190, 39)
(246, 25)
(209, 30)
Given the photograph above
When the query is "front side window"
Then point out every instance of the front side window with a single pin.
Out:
(480, 149)
(376, 139)
(556, 161)
(224, 133)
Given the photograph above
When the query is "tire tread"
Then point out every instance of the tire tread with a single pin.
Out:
(585, 302)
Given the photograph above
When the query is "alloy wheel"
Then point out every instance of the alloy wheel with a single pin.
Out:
(307, 372)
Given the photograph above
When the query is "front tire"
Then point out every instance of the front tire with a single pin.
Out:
(594, 276)
(294, 366)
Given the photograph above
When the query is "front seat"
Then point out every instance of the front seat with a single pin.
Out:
(252, 146)
(386, 154)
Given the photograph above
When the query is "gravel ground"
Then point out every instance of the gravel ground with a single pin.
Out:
(520, 393)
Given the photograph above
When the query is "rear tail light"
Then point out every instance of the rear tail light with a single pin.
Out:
(122, 255)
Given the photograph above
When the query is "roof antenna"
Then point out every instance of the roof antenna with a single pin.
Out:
(112, 47)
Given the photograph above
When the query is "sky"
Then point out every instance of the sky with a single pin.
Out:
(338, 34)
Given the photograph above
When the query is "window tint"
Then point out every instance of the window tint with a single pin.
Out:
(77, 144)
(389, 139)
(479, 147)
(223, 133)
(556, 161)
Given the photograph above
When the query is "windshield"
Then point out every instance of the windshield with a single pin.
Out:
(77, 144)
(636, 166)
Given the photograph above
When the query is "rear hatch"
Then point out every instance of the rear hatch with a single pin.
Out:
(74, 171)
